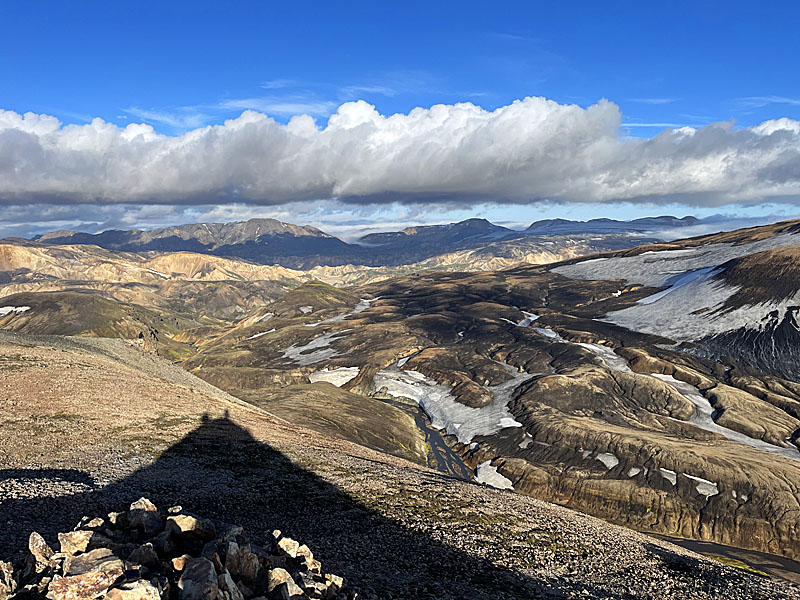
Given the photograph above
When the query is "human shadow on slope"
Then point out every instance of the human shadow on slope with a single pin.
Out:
(220, 471)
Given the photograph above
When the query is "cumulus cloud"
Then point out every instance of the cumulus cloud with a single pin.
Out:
(529, 151)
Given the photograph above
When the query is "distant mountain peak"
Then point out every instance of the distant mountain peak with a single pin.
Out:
(606, 225)
(444, 233)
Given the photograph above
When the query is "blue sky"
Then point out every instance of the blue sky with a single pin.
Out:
(188, 65)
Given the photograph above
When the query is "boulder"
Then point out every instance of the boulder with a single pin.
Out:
(83, 563)
(289, 546)
(144, 516)
(7, 584)
(75, 542)
(188, 528)
(227, 585)
(334, 583)
(90, 523)
(107, 563)
(118, 519)
(242, 563)
(179, 562)
(281, 586)
(141, 589)
(199, 581)
(89, 585)
(163, 544)
(41, 552)
(145, 555)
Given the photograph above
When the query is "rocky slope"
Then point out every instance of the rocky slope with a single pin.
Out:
(392, 529)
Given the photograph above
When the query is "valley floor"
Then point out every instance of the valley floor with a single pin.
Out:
(91, 425)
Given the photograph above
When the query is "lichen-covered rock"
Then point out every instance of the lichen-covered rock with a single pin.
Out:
(41, 552)
(179, 562)
(83, 563)
(88, 585)
(74, 542)
(289, 546)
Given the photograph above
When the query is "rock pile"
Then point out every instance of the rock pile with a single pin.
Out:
(145, 554)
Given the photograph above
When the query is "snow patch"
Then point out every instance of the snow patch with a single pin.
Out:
(337, 377)
(704, 486)
(702, 418)
(529, 318)
(258, 335)
(670, 476)
(608, 459)
(685, 311)
(680, 281)
(319, 349)
(656, 268)
(548, 333)
(633, 471)
(444, 411)
(7, 310)
(611, 359)
(488, 475)
(306, 309)
(363, 305)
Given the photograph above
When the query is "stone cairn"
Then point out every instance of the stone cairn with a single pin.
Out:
(144, 554)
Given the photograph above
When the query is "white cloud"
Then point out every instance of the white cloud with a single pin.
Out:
(529, 151)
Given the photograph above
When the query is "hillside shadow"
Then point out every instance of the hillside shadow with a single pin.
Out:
(220, 471)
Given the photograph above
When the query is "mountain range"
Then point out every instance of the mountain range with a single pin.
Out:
(268, 241)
